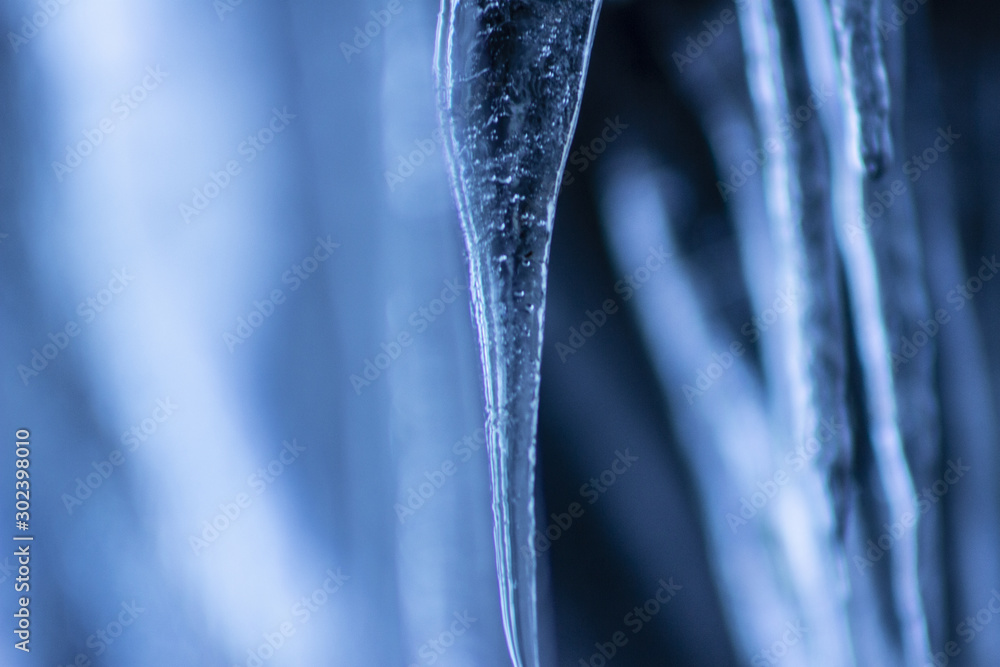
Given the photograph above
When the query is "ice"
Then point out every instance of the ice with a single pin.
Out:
(810, 374)
(510, 77)
(857, 25)
(845, 121)
(888, 235)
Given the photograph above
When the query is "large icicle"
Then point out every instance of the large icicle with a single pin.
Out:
(510, 78)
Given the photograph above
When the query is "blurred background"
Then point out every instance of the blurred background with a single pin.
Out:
(235, 321)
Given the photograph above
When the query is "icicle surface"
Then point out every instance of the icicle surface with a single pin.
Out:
(846, 130)
(510, 78)
(811, 377)
(857, 24)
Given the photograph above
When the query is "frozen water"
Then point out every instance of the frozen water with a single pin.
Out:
(510, 79)
(857, 26)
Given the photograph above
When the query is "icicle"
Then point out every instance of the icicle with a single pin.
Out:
(967, 401)
(900, 256)
(967, 392)
(843, 124)
(510, 78)
(856, 23)
(812, 376)
(724, 431)
(728, 117)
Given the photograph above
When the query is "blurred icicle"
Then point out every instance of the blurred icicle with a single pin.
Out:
(440, 550)
(510, 79)
(842, 122)
(725, 430)
(970, 424)
(728, 122)
(767, 565)
(813, 372)
(899, 253)
(967, 393)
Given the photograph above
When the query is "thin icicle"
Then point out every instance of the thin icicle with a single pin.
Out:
(900, 255)
(887, 443)
(967, 392)
(856, 23)
(842, 121)
(812, 377)
(725, 431)
(727, 117)
(510, 78)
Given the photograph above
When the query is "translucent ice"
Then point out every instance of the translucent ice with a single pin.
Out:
(857, 25)
(510, 77)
